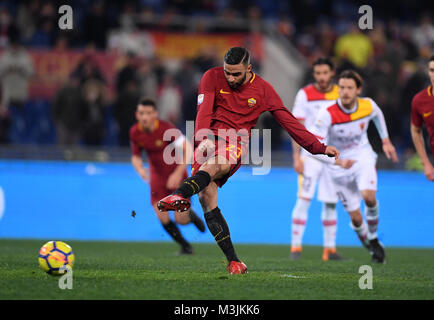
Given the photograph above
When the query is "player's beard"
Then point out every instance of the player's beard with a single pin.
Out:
(349, 102)
(323, 85)
(146, 125)
(238, 84)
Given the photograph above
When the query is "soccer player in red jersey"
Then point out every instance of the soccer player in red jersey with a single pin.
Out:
(147, 134)
(231, 99)
(422, 111)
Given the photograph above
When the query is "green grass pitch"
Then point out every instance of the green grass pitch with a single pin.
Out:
(147, 270)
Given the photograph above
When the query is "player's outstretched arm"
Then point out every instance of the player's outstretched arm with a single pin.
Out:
(417, 137)
(389, 150)
(380, 124)
(137, 163)
(298, 132)
(288, 122)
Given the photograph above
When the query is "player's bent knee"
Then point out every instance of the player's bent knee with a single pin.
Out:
(212, 169)
(216, 170)
(225, 168)
(369, 197)
(164, 217)
(356, 217)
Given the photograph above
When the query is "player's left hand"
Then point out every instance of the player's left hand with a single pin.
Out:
(390, 151)
(429, 171)
(174, 181)
(332, 151)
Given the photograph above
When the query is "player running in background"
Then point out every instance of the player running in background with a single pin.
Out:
(422, 111)
(345, 124)
(308, 102)
(231, 97)
(147, 134)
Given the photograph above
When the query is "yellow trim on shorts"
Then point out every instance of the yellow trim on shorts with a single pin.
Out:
(300, 185)
(300, 181)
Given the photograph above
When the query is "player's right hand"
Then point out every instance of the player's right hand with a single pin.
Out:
(429, 172)
(332, 151)
(345, 163)
(389, 150)
(298, 165)
(143, 172)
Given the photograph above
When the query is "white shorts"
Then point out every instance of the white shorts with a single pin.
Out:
(349, 183)
(315, 171)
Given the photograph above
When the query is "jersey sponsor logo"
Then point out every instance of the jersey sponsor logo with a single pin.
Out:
(251, 102)
(200, 99)
(347, 142)
(224, 92)
(427, 114)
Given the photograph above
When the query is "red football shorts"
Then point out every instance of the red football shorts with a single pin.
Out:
(231, 152)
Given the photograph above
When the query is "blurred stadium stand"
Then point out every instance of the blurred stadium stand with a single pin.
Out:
(118, 51)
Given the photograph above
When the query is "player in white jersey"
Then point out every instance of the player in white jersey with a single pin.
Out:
(345, 125)
(308, 102)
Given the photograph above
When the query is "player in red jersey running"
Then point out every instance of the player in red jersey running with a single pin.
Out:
(147, 134)
(422, 111)
(231, 99)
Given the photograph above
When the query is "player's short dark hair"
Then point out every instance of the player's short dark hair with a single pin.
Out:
(147, 102)
(351, 74)
(431, 58)
(323, 60)
(236, 55)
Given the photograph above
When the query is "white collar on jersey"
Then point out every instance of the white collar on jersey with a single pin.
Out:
(345, 110)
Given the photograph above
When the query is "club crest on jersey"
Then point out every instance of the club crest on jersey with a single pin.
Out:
(362, 125)
(251, 102)
(199, 99)
(159, 143)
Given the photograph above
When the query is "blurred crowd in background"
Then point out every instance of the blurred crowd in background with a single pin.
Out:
(392, 57)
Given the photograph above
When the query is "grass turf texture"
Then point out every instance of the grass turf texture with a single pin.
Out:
(134, 270)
